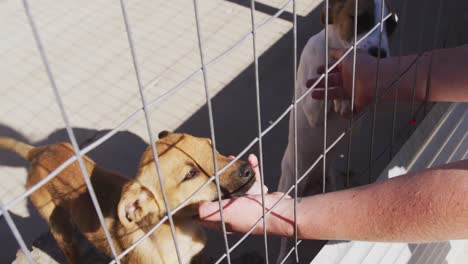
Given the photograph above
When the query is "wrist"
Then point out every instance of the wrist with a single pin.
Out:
(381, 76)
(310, 217)
(281, 218)
(412, 72)
(422, 75)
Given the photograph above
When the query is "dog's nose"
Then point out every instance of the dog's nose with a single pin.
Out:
(246, 171)
(374, 51)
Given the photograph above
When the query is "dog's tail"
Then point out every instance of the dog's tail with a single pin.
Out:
(16, 146)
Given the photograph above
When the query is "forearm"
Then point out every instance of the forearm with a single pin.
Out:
(449, 75)
(445, 70)
(426, 206)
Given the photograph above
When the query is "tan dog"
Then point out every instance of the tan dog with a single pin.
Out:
(131, 207)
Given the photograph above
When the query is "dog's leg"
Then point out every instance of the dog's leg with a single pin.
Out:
(57, 217)
(63, 231)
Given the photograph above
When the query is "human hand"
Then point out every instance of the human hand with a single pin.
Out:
(341, 77)
(241, 213)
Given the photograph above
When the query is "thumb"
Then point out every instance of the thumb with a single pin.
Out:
(256, 187)
(253, 162)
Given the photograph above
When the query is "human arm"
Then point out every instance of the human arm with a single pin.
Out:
(446, 70)
(429, 205)
(424, 206)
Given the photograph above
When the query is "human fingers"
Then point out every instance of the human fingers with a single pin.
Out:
(239, 213)
(253, 162)
(256, 187)
(321, 69)
(209, 211)
(333, 93)
(334, 80)
(336, 53)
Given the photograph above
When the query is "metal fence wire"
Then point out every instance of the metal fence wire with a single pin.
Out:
(204, 71)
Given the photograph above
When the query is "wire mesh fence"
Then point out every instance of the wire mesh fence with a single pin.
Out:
(206, 63)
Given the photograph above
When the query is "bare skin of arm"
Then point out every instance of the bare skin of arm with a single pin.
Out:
(446, 70)
(430, 205)
(425, 206)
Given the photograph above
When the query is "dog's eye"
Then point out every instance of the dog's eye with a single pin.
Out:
(191, 174)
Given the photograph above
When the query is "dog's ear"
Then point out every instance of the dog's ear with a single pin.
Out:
(136, 202)
(163, 134)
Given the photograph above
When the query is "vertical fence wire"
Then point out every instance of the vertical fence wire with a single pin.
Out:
(212, 131)
(290, 252)
(395, 98)
(148, 126)
(70, 132)
(434, 45)
(353, 86)
(16, 233)
(420, 50)
(296, 172)
(259, 125)
(374, 110)
(325, 100)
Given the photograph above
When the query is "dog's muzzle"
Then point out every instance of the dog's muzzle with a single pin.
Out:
(246, 172)
(241, 181)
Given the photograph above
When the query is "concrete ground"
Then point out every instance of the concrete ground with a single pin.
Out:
(89, 55)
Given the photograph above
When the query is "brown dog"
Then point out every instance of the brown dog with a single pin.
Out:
(131, 207)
